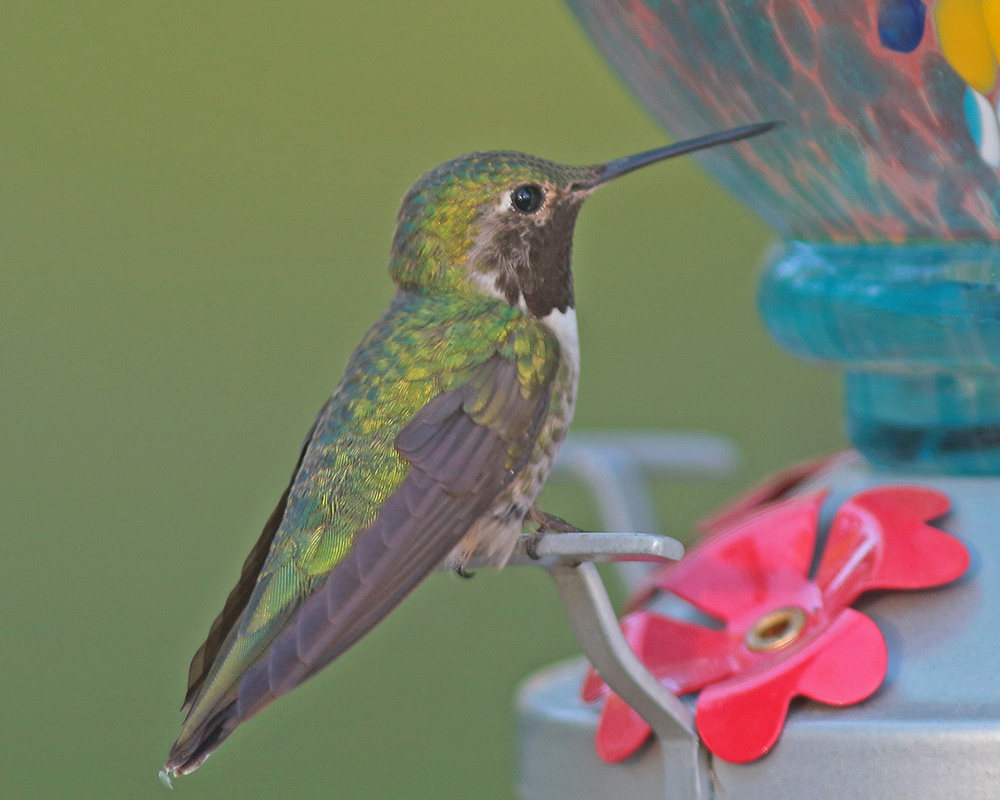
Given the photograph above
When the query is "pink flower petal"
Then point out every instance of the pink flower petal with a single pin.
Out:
(880, 539)
(685, 656)
(744, 566)
(740, 719)
(742, 723)
(682, 655)
(851, 664)
(593, 686)
(620, 731)
(917, 555)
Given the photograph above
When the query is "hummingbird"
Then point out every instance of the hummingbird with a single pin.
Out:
(435, 443)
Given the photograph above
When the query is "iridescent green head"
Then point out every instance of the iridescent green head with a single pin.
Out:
(501, 223)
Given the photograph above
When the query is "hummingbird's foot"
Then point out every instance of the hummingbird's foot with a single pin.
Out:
(463, 573)
(547, 523)
(550, 523)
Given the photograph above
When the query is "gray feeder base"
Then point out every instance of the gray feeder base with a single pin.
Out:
(931, 731)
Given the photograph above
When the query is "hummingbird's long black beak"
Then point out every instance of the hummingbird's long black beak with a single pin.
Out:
(621, 166)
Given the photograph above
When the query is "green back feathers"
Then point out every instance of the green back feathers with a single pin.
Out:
(424, 344)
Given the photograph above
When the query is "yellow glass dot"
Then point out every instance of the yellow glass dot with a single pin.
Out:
(991, 10)
(965, 41)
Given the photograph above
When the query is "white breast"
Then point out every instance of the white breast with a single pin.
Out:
(563, 325)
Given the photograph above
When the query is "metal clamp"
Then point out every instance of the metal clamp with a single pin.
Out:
(568, 558)
(613, 466)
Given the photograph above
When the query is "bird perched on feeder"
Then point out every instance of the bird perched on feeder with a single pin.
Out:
(435, 443)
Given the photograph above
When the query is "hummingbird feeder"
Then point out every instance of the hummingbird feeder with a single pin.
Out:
(883, 185)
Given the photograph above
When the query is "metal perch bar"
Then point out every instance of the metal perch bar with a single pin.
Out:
(596, 628)
(552, 548)
(614, 466)
(568, 558)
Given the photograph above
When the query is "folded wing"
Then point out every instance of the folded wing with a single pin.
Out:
(464, 448)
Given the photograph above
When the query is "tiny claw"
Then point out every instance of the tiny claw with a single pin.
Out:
(531, 545)
(463, 573)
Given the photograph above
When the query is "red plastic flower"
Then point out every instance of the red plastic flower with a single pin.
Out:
(784, 634)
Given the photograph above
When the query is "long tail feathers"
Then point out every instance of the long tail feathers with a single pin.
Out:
(458, 467)
(190, 751)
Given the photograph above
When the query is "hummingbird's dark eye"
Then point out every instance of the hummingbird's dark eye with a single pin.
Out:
(527, 199)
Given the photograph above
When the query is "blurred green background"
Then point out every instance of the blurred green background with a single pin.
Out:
(197, 201)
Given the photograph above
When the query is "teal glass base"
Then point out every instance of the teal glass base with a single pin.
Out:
(936, 423)
(916, 329)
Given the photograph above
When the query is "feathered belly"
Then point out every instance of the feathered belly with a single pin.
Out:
(495, 535)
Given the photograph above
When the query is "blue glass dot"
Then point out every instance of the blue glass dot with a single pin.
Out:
(973, 118)
(901, 24)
